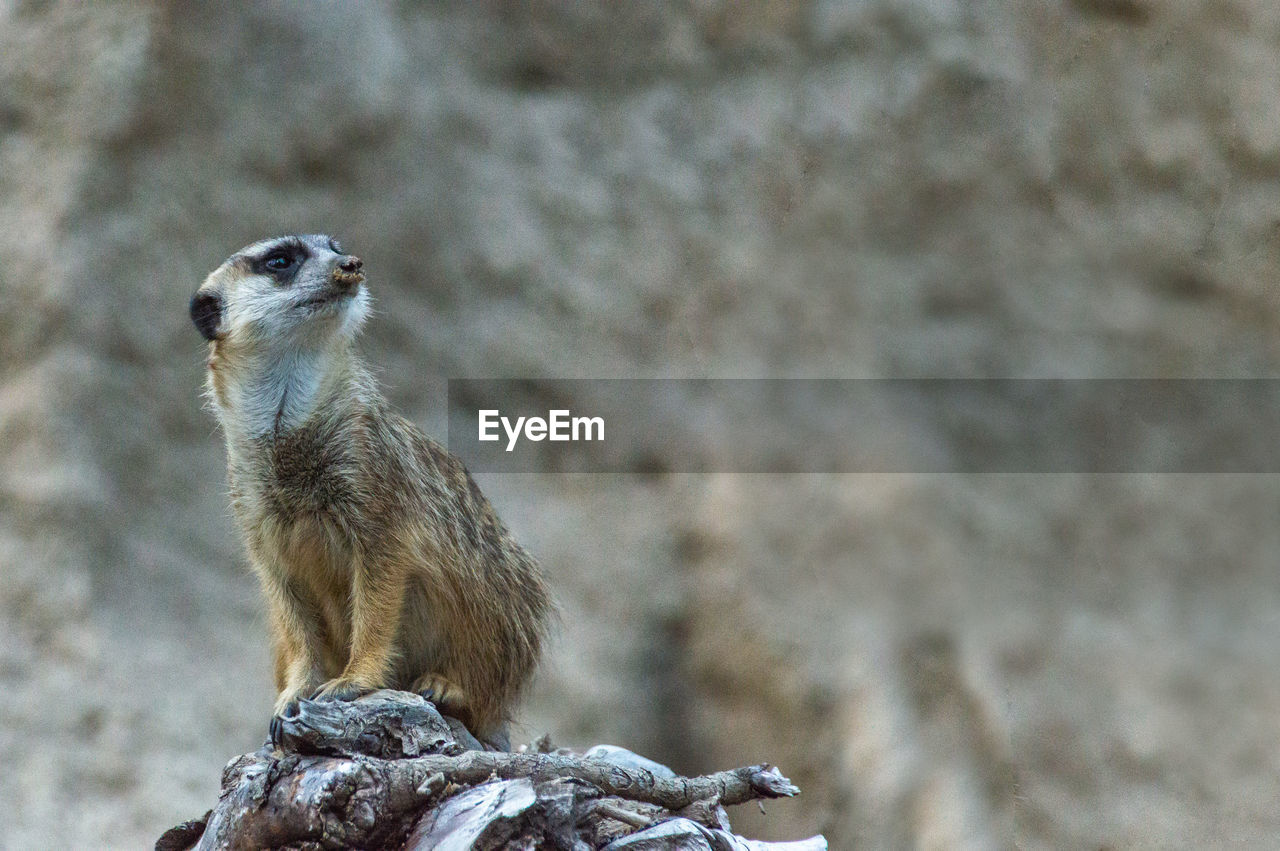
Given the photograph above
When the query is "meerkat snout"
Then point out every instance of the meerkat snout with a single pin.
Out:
(347, 272)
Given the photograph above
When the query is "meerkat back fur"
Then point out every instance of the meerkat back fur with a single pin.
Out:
(382, 564)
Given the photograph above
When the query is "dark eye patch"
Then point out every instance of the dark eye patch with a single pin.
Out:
(279, 261)
(282, 262)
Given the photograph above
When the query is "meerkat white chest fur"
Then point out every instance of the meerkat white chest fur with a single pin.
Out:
(278, 392)
(382, 563)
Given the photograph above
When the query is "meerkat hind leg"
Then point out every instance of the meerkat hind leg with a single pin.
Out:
(450, 699)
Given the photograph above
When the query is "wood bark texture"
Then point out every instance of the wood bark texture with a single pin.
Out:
(388, 771)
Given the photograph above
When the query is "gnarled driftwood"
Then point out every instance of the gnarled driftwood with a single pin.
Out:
(387, 771)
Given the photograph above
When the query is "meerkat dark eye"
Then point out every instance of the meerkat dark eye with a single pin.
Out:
(281, 262)
(278, 261)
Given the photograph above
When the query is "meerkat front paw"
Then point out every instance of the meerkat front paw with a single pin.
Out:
(445, 694)
(342, 688)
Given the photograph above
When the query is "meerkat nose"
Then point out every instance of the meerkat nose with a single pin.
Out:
(346, 273)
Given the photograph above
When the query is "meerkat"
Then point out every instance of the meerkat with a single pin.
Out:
(382, 564)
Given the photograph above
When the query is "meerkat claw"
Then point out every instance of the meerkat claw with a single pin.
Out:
(275, 730)
(441, 692)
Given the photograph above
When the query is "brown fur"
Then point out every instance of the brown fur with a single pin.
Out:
(382, 563)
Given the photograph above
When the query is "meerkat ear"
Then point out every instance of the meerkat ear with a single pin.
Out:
(206, 313)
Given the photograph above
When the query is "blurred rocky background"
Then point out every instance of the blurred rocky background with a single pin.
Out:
(686, 188)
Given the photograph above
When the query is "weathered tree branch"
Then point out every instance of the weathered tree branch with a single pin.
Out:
(725, 787)
(388, 772)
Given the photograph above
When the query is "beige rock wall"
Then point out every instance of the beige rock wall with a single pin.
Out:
(764, 188)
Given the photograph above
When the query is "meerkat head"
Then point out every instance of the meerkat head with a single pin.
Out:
(290, 290)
